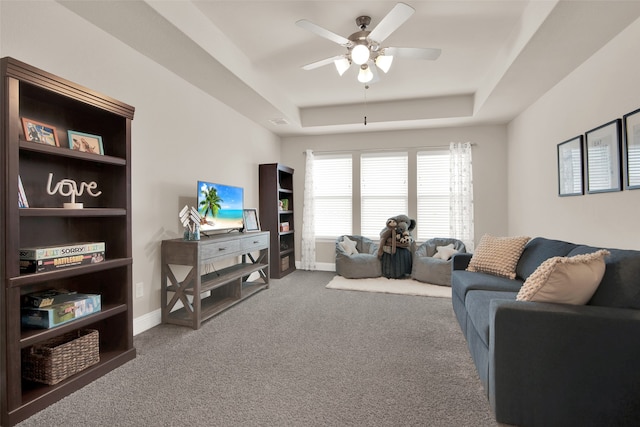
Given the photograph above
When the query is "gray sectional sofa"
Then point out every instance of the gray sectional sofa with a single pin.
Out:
(548, 364)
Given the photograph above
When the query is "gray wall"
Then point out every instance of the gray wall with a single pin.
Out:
(179, 133)
(603, 88)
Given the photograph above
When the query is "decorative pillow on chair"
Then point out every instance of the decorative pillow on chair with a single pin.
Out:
(565, 280)
(498, 255)
(445, 252)
(349, 246)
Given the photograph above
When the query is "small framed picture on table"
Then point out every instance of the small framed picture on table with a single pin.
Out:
(251, 222)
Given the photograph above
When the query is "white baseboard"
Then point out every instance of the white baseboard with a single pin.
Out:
(321, 266)
(147, 321)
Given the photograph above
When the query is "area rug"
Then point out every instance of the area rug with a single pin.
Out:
(390, 286)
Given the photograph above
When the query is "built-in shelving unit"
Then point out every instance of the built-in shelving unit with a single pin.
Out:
(276, 215)
(35, 94)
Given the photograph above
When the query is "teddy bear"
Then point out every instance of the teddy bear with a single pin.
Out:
(396, 233)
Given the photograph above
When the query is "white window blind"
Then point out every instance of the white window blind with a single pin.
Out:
(332, 195)
(433, 194)
(383, 190)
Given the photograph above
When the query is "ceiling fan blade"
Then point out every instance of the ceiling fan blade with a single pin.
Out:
(413, 52)
(394, 19)
(322, 32)
(321, 63)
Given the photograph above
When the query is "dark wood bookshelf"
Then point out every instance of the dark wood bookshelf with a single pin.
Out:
(32, 93)
(276, 183)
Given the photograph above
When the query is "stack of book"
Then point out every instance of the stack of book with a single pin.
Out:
(39, 259)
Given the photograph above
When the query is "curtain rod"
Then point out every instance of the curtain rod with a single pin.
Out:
(473, 144)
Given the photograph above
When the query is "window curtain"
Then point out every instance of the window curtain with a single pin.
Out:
(308, 255)
(461, 213)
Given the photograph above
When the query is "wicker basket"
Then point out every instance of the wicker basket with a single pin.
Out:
(60, 357)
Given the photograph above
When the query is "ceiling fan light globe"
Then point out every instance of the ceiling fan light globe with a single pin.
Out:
(365, 75)
(342, 65)
(384, 62)
(360, 54)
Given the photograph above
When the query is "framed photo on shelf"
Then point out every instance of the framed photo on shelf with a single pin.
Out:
(603, 158)
(85, 142)
(251, 222)
(570, 167)
(632, 149)
(39, 132)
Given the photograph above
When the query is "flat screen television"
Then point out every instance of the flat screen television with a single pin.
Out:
(221, 207)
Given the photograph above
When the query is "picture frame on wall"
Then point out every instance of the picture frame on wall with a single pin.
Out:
(603, 146)
(85, 142)
(571, 167)
(39, 132)
(632, 149)
(251, 222)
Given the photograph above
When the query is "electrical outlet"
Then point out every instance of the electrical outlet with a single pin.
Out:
(139, 290)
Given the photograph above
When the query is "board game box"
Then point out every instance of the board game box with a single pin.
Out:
(66, 308)
(36, 260)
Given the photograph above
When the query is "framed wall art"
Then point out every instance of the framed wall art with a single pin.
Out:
(632, 149)
(85, 142)
(603, 158)
(251, 222)
(39, 132)
(570, 167)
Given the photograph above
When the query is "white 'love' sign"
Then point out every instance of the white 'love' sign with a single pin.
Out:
(68, 187)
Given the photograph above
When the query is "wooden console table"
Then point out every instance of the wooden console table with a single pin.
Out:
(227, 286)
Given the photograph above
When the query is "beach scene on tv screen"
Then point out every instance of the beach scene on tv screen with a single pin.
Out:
(220, 206)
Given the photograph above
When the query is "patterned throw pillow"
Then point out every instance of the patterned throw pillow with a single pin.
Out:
(565, 280)
(498, 255)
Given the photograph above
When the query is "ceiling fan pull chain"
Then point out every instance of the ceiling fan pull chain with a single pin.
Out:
(365, 104)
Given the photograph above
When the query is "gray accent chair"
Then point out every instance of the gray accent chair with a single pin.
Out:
(434, 270)
(361, 265)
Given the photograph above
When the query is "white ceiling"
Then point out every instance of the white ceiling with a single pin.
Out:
(497, 56)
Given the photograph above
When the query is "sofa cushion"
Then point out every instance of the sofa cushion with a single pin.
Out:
(538, 250)
(620, 285)
(464, 281)
(498, 255)
(565, 280)
(477, 305)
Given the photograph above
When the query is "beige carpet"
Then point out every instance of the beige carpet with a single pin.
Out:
(390, 286)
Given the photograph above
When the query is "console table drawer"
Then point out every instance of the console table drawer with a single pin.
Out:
(253, 243)
(219, 249)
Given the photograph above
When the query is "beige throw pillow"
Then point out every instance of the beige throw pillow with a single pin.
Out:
(498, 255)
(564, 280)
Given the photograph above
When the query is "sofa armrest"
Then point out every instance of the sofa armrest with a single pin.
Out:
(556, 364)
(461, 261)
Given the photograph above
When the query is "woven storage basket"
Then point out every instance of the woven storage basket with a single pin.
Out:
(58, 358)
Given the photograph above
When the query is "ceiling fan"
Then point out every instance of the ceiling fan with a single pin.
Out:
(364, 47)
